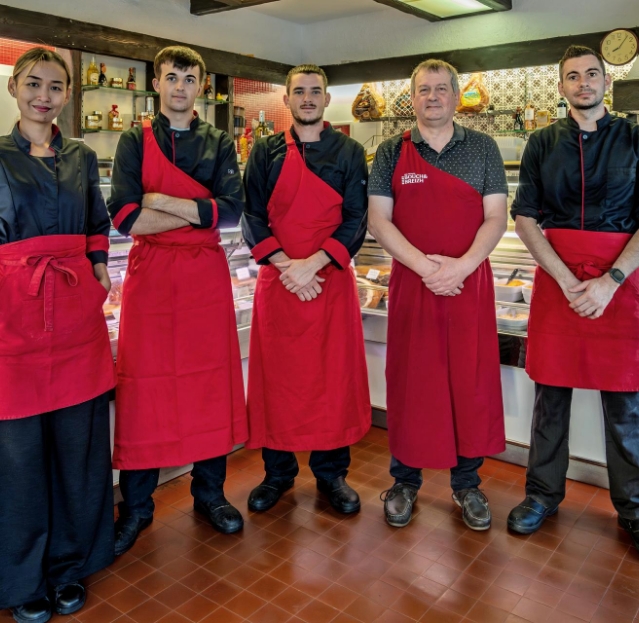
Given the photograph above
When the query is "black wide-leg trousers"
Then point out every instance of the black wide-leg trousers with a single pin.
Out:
(56, 500)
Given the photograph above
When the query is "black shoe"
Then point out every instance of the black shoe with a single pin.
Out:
(342, 497)
(398, 504)
(69, 598)
(475, 509)
(267, 494)
(223, 517)
(128, 528)
(631, 526)
(38, 611)
(528, 516)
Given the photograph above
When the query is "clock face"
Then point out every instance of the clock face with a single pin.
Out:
(619, 46)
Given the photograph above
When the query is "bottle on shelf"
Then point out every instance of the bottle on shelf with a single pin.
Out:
(208, 88)
(244, 146)
(102, 79)
(262, 128)
(149, 111)
(518, 121)
(115, 121)
(130, 82)
(562, 108)
(529, 117)
(93, 75)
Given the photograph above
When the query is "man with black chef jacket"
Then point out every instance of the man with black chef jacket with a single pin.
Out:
(576, 210)
(179, 397)
(305, 218)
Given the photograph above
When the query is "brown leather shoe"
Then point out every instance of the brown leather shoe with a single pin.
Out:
(398, 504)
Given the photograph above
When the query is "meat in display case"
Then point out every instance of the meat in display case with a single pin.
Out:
(241, 265)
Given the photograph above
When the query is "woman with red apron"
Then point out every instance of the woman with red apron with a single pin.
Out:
(308, 387)
(56, 368)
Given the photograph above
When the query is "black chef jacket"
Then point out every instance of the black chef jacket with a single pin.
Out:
(57, 195)
(566, 171)
(336, 159)
(203, 152)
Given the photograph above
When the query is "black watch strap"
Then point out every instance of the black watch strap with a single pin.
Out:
(617, 275)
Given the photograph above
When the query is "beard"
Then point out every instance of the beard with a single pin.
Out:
(306, 121)
(594, 104)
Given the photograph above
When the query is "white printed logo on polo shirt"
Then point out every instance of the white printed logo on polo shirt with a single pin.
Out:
(414, 178)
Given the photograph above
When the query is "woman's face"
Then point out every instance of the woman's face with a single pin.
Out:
(41, 91)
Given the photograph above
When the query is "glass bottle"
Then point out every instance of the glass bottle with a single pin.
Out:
(562, 108)
(262, 128)
(529, 117)
(130, 83)
(518, 122)
(93, 74)
(115, 121)
(102, 79)
(208, 89)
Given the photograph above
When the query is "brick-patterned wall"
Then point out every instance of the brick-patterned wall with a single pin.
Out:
(255, 96)
(10, 50)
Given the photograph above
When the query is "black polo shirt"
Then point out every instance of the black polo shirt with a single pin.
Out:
(471, 156)
(53, 195)
(336, 159)
(566, 171)
(203, 152)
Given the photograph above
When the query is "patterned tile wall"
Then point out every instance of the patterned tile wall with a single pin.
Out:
(254, 96)
(508, 89)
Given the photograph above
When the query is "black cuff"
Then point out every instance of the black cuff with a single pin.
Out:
(334, 262)
(98, 257)
(529, 212)
(127, 223)
(265, 260)
(205, 212)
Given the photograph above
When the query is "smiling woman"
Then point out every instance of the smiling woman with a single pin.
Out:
(55, 360)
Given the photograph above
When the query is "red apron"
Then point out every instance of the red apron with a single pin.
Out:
(308, 385)
(180, 395)
(442, 370)
(566, 350)
(54, 344)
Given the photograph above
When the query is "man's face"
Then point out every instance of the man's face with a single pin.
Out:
(178, 88)
(307, 99)
(583, 82)
(434, 100)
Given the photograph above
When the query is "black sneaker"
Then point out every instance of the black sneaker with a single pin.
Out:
(474, 505)
(398, 504)
(631, 526)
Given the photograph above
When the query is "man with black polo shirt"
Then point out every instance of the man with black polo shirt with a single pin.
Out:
(305, 218)
(578, 183)
(437, 204)
(179, 397)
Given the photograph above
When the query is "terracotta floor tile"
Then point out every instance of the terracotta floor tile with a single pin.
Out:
(268, 614)
(440, 615)
(483, 613)
(150, 611)
(197, 608)
(620, 603)
(363, 609)
(174, 617)
(292, 600)
(382, 593)
(411, 606)
(175, 595)
(179, 568)
(135, 571)
(221, 592)
(500, 598)
(555, 578)
(109, 586)
(128, 599)
(267, 587)
(603, 615)
(317, 612)
(104, 612)
(544, 594)
(470, 585)
(442, 574)
(222, 615)
(577, 607)
(245, 604)
(391, 616)
(201, 579)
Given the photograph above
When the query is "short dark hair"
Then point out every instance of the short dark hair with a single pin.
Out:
(306, 69)
(181, 57)
(576, 51)
(37, 55)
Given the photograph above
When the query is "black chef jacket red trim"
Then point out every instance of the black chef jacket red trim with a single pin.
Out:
(337, 160)
(553, 190)
(52, 195)
(203, 152)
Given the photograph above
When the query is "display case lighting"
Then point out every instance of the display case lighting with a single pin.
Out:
(436, 10)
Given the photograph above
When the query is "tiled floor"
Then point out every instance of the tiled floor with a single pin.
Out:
(302, 562)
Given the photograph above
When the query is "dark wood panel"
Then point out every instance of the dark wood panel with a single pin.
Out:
(205, 7)
(625, 95)
(67, 33)
(70, 119)
(506, 56)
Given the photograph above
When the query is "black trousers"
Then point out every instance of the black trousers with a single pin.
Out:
(548, 461)
(137, 485)
(281, 466)
(56, 500)
(463, 476)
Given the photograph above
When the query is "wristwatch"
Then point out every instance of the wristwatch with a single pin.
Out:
(617, 275)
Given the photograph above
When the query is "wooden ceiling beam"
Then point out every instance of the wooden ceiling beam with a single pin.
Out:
(207, 7)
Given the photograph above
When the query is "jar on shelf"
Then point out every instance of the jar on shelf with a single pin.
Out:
(91, 122)
(115, 121)
(116, 83)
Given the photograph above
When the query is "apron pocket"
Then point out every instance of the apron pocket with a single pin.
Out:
(67, 315)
